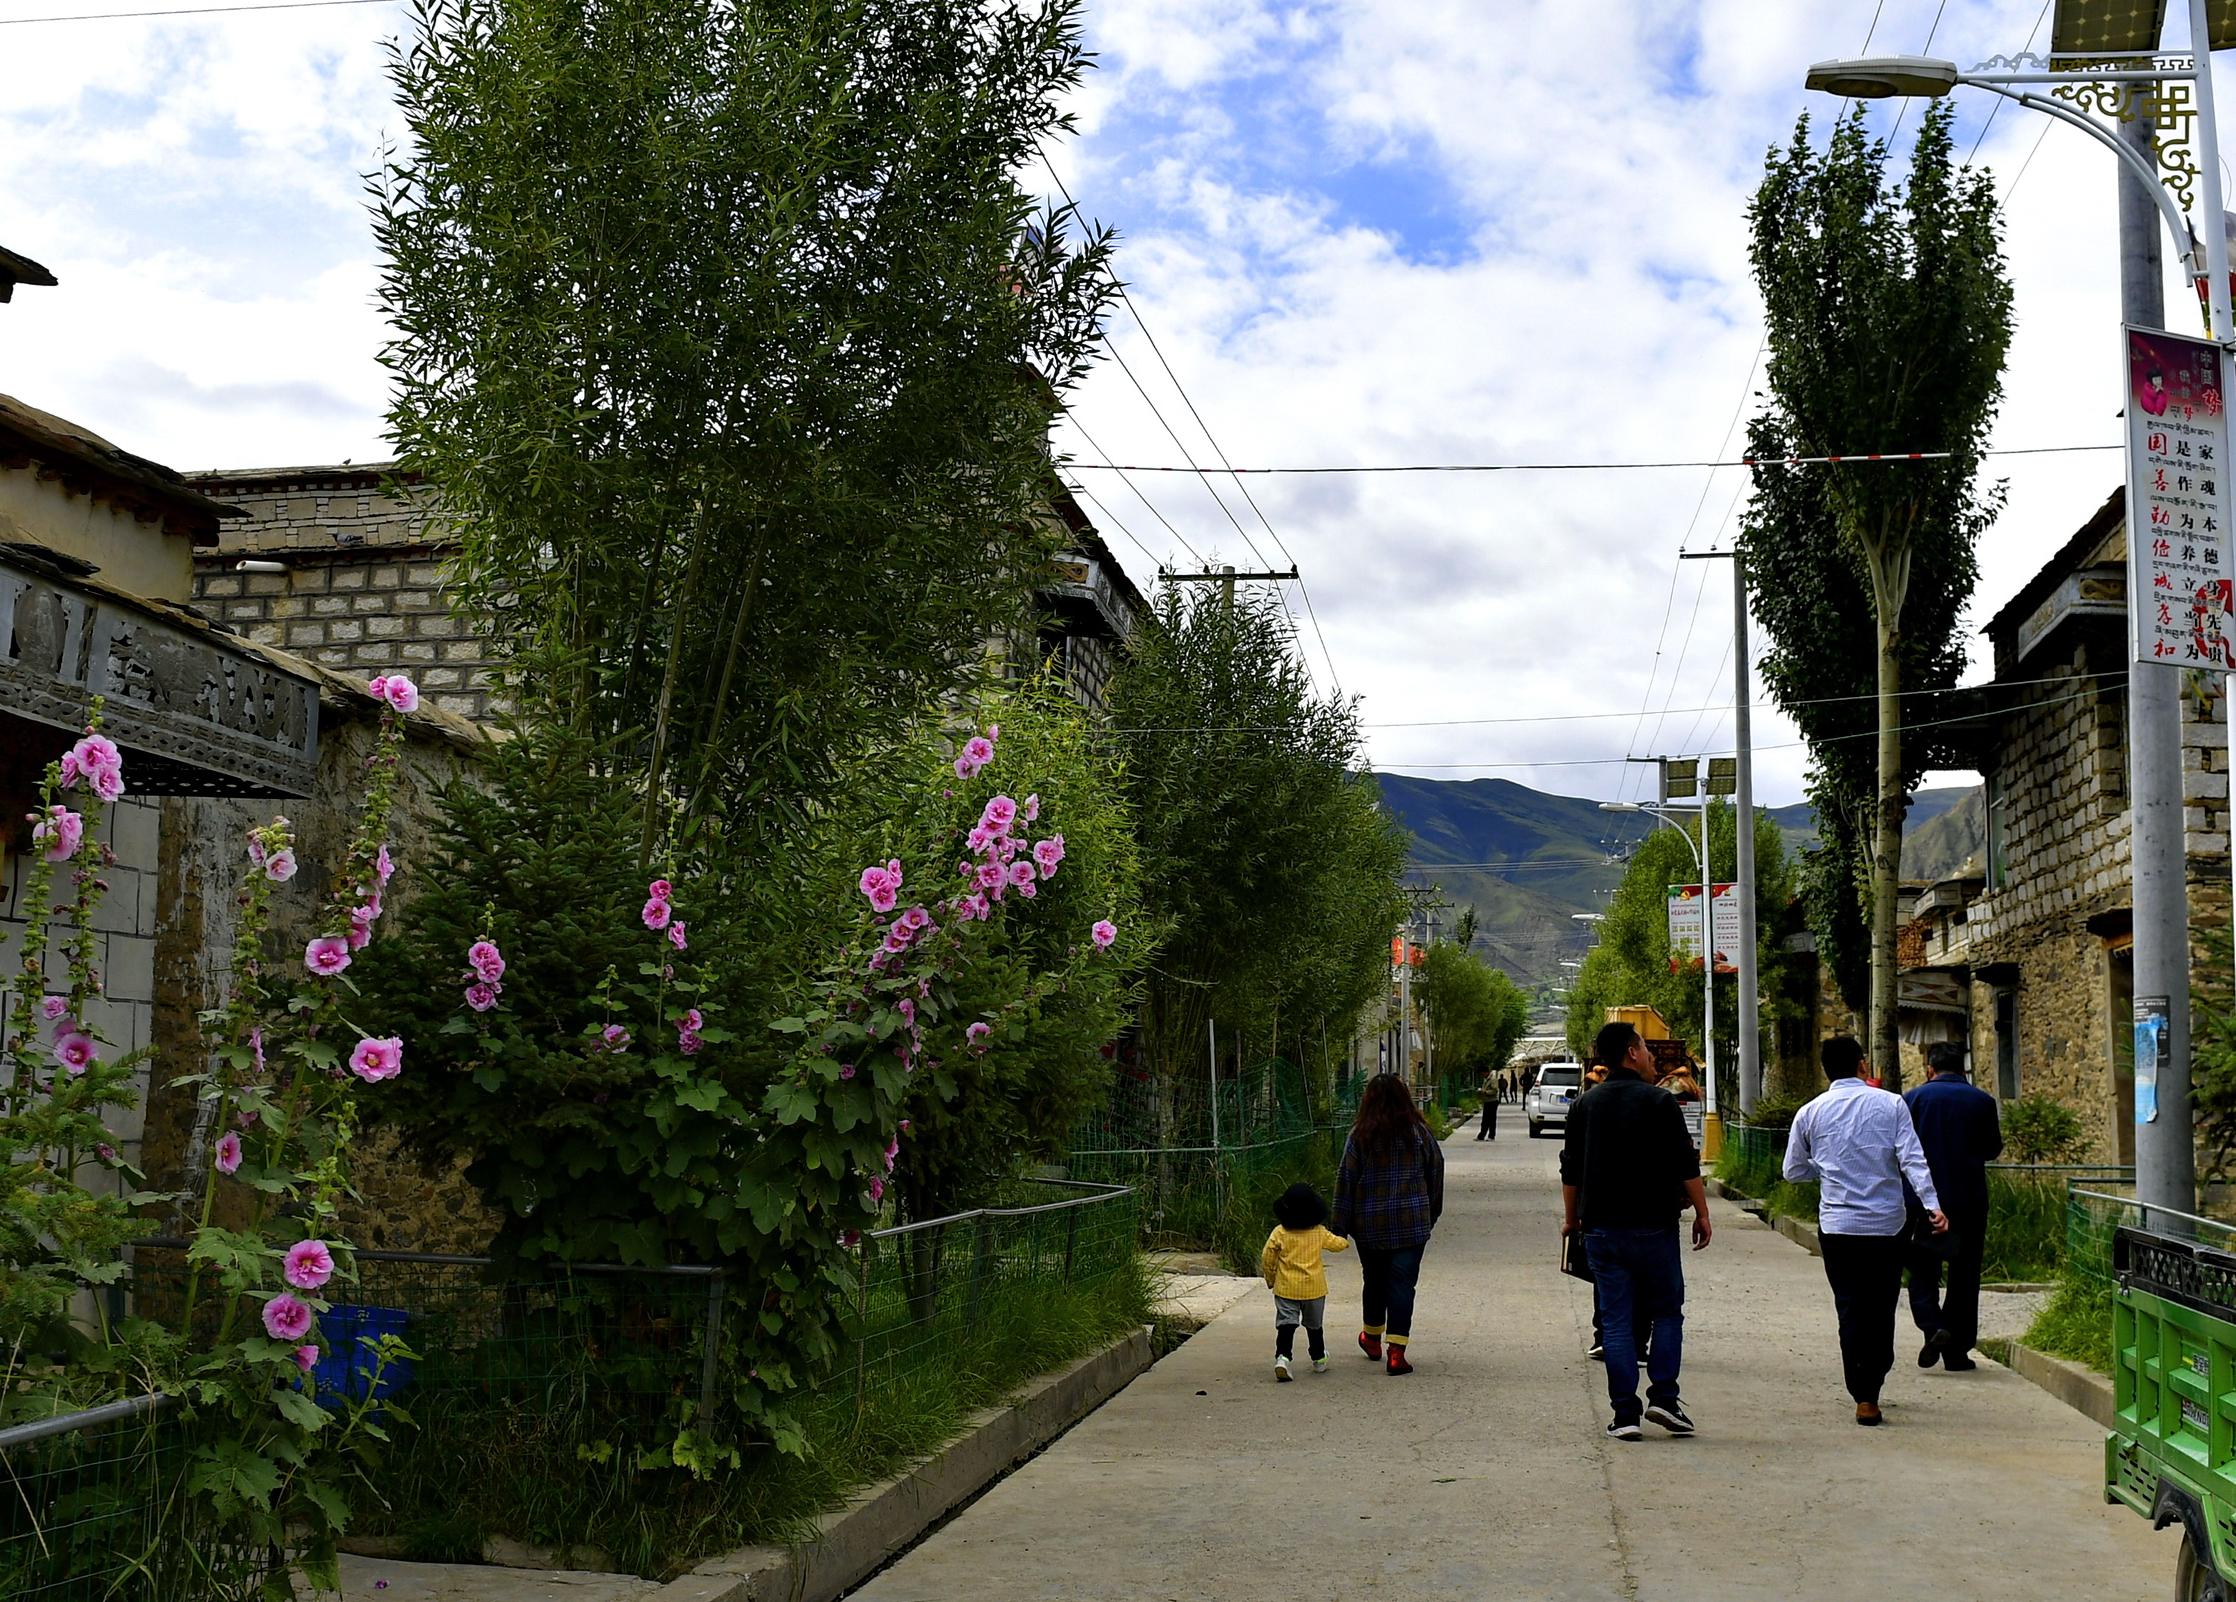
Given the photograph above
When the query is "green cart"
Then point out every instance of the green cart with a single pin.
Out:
(2171, 1455)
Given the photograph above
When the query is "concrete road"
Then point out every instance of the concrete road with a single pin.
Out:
(1485, 1474)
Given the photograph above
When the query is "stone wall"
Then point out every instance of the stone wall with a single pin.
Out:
(405, 1206)
(124, 938)
(2062, 1009)
(364, 589)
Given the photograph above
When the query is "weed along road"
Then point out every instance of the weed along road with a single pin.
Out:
(1485, 1474)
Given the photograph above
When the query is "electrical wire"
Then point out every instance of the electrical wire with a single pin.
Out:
(1125, 478)
(1835, 459)
(1998, 106)
(1087, 495)
(1926, 51)
(191, 11)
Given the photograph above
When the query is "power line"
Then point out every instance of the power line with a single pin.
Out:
(1334, 680)
(1998, 106)
(191, 11)
(1084, 493)
(1124, 478)
(1835, 459)
(1926, 51)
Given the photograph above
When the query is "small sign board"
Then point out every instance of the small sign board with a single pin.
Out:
(1685, 927)
(2181, 571)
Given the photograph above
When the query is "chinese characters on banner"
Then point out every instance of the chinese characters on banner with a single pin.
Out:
(2178, 554)
(1684, 927)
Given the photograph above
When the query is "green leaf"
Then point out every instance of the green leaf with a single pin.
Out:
(232, 1475)
(299, 1409)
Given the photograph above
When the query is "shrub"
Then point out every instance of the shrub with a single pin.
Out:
(2039, 1130)
(1776, 1112)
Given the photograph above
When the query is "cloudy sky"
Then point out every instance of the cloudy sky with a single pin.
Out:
(1359, 231)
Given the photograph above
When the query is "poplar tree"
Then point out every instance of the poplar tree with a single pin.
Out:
(1888, 314)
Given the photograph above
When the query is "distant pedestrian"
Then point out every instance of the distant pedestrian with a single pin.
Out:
(1861, 1145)
(1961, 1134)
(1626, 1168)
(1389, 1193)
(1492, 1090)
(1294, 1273)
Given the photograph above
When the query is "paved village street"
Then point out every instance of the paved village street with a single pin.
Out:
(1485, 1474)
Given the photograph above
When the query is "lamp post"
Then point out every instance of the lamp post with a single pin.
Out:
(1711, 1126)
(2165, 1154)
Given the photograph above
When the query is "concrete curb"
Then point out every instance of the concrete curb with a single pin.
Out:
(2077, 1386)
(879, 1523)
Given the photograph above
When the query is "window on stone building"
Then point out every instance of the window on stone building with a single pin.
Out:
(2007, 1043)
(1996, 872)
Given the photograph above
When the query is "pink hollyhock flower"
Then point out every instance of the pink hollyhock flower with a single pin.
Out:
(71, 772)
(486, 961)
(1103, 934)
(893, 869)
(377, 688)
(279, 867)
(1047, 853)
(103, 1150)
(326, 956)
(676, 937)
(873, 880)
(660, 890)
(255, 848)
(481, 996)
(892, 1153)
(877, 1190)
(1000, 813)
(378, 1058)
(657, 913)
(846, 1070)
(54, 1008)
(884, 898)
(256, 1045)
(963, 769)
(1022, 874)
(286, 1318)
(306, 1359)
(688, 1042)
(76, 1052)
(916, 918)
(979, 749)
(1032, 809)
(879, 961)
(976, 1034)
(228, 1153)
(368, 912)
(108, 783)
(615, 1037)
(358, 937)
(400, 693)
(384, 865)
(990, 874)
(59, 833)
(978, 840)
(896, 938)
(693, 1021)
(308, 1265)
(95, 752)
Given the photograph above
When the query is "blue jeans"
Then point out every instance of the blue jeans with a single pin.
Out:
(1641, 1281)
(1388, 1275)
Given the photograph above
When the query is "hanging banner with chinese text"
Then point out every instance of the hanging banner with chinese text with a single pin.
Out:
(1684, 927)
(2178, 555)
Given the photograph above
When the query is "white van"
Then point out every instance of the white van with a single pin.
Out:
(1557, 1084)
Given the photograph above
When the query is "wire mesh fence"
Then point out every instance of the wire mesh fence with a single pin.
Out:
(1201, 1154)
(94, 1509)
(558, 1405)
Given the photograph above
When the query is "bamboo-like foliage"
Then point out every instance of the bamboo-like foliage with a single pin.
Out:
(725, 339)
(1889, 315)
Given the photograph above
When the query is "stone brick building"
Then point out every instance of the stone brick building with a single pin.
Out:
(2047, 943)
(336, 564)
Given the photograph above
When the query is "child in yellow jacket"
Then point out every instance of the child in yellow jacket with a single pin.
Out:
(1291, 1266)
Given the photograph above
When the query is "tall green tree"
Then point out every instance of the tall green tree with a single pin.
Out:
(726, 340)
(1888, 314)
(1475, 1013)
(1269, 868)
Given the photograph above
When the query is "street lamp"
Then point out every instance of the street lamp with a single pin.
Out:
(2119, 46)
(1711, 1126)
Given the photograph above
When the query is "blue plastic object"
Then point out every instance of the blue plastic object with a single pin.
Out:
(346, 1359)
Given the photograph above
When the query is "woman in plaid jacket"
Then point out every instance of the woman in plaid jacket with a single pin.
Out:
(1389, 1193)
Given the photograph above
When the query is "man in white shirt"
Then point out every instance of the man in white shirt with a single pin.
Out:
(1858, 1142)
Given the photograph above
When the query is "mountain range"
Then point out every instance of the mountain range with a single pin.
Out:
(1528, 861)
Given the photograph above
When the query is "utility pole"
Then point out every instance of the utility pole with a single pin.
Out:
(1227, 578)
(1743, 802)
(2165, 1156)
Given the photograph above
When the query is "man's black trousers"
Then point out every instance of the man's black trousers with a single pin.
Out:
(1865, 1272)
(1956, 1310)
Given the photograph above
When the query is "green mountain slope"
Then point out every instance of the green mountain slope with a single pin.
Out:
(1528, 861)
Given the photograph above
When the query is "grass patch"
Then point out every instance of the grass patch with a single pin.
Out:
(547, 1458)
(2076, 1323)
(1753, 1170)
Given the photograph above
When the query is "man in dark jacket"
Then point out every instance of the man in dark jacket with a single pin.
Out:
(1961, 1134)
(1627, 1166)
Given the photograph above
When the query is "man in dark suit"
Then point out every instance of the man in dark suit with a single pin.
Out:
(1961, 1134)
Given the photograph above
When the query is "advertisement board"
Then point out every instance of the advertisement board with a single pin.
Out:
(1685, 922)
(2180, 599)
